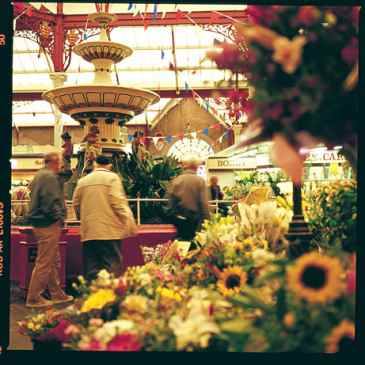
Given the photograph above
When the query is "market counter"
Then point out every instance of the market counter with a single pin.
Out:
(23, 245)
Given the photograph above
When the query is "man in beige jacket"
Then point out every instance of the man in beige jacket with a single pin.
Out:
(105, 218)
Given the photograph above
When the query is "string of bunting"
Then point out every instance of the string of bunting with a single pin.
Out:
(215, 15)
(170, 138)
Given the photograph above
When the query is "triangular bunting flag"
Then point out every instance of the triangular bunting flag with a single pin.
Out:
(155, 11)
(162, 54)
(29, 11)
(130, 138)
(155, 140)
(206, 102)
(168, 139)
(206, 131)
(145, 22)
(221, 137)
(130, 6)
(179, 14)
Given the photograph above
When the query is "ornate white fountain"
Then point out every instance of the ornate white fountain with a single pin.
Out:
(102, 103)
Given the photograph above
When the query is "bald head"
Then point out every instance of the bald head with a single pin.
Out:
(191, 163)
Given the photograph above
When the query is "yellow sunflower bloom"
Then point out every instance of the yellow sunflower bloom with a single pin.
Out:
(316, 278)
(98, 300)
(231, 281)
(341, 337)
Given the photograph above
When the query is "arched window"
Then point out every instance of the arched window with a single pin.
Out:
(191, 147)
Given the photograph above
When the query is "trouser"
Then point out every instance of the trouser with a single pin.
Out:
(186, 228)
(46, 269)
(101, 254)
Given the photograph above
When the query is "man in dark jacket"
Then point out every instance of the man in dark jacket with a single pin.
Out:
(188, 200)
(46, 215)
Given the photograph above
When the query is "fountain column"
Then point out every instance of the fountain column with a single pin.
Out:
(58, 79)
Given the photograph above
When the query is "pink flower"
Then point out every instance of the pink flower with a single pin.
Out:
(308, 15)
(93, 345)
(124, 342)
(350, 53)
(72, 330)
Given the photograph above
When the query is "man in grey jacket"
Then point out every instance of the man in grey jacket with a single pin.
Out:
(46, 215)
(188, 200)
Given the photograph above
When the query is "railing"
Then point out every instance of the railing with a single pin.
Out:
(213, 205)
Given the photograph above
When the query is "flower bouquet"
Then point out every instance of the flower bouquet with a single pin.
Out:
(332, 213)
(302, 62)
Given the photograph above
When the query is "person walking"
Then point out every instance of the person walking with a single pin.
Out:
(215, 190)
(47, 213)
(105, 218)
(188, 200)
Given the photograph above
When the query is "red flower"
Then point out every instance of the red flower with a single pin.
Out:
(124, 342)
(296, 110)
(308, 15)
(57, 333)
(228, 57)
(122, 287)
(355, 16)
(311, 81)
(275, 111)
(262, 14)
(350, 53)
(351, 282)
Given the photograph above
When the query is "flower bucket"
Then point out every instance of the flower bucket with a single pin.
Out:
(46, 346)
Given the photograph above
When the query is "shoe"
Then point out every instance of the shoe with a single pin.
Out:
(43, 303)
(63, 299)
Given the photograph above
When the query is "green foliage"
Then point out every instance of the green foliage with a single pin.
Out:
(246, 180)
(332, 211)
(147, 178)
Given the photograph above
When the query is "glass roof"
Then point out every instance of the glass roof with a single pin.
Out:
(148, 67)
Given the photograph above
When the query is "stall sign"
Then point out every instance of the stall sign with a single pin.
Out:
(232, 163)
(324, 157)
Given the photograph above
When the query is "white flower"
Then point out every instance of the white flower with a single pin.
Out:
(103, 274)
(145, 279)
(113, 328)
(194, 330)
(261, 256)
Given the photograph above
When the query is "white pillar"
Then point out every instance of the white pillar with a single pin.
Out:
(58, 79)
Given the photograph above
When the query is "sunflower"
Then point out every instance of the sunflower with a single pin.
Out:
(316, 278)
(341, 338)
(231, 280)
